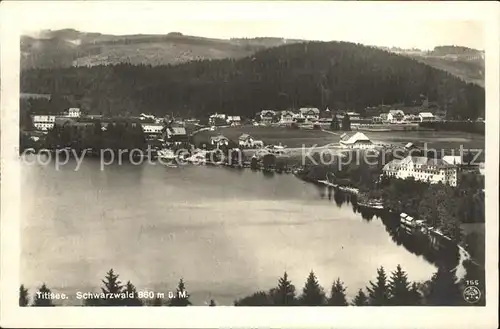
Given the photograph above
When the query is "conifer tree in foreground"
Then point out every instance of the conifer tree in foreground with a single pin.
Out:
(41, 298)
(284, 294)
(415, 296)
(157, 301)
(181, 298)
(443, 290)
(23, 296)
(337, 296)
(111, 286)
(259, 298)
(378, 293)
(312, 293)
(134, 300)
(361, 299)
(399, 288)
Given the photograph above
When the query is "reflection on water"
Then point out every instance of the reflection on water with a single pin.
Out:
(226, 232)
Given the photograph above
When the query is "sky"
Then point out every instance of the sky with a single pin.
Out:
(406, 25)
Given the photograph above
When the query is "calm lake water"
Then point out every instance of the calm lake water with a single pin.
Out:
(226, 232)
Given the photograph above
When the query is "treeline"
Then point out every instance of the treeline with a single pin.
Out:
(465, 126)
(386, 290)
(439, 205)
(320, 74)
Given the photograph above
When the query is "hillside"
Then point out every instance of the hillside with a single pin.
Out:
(335, 74)
(465, 63)
(64, 48)
(68, 47)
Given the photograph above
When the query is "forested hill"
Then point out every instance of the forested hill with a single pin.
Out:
(335, 74)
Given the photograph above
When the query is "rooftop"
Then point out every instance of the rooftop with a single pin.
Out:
(421, 162)
(357, 137)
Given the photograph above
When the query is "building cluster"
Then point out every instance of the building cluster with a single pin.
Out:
(153, 127)
(398, 116)
(219, 119)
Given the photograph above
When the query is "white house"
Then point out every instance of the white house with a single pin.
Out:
(353, 115)
(267, 116)
(219, 141)
(234, 120)
(287, 116)
(426, 117)
(356, 141)
(395, 116)
(74, 112)
(247, 141)
(422, 169)
(310, 113)
(411, 118)
(152, 128)
(217, 117)
(43, 122)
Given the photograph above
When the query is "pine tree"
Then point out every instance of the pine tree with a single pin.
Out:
(134, 300)
(378, 292)
(284, 294)
(346, 123)
(334, 125)
(157, 301)
(259, 298)
(415, 296)
(312, 293)
(361, 299)
(212, 303)
(443, 290)
(41, 297)
(399, 288)
(112, 286)
(181, 297)
(23, 296)
(337, 296)
(111, 283)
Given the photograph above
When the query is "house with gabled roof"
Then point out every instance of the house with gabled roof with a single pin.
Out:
(247, 141)
(287, 116)
(426, 117)
(219, 140)
(356, 141)
(234, 120)
(310, 113)
(267, 116)
(395, 115)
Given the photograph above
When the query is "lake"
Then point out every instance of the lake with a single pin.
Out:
(226, 232)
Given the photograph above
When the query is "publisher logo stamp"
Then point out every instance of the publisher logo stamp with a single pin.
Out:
(472, 294)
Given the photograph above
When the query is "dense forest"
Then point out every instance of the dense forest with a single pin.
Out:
(335, 74)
